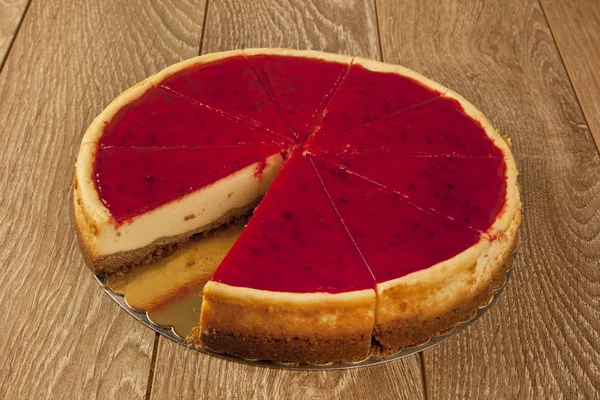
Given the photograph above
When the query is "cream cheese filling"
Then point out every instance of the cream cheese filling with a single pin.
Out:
(193, 211)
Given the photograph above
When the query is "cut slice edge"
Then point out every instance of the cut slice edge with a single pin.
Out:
(110, 247)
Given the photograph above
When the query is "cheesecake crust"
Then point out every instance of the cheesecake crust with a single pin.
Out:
(316, 328)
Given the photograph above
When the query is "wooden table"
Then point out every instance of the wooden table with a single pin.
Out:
(531, 66)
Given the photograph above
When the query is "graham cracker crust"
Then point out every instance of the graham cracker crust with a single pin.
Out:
(292, 350)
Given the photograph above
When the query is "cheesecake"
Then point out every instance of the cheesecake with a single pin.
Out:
(384, 208)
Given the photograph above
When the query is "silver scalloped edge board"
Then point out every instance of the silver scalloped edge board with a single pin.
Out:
(373, 360)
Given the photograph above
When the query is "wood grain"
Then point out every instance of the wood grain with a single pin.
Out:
(62, 337)
(343, 27)
(575, 26)
(11, 14)
(541, 340)
(347, 27)
(192, 375)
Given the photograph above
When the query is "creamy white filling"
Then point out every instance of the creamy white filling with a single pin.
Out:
(189, 213)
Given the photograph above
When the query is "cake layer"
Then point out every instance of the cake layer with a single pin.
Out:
(287, 327)
(295, 241)
(299, 82)
(161, 118)
(103, 235)
(370, 91)
(440, 126)
(471, 191)
(227, 83)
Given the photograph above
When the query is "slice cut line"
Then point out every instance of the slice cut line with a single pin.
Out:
(368, 94)
(439, 127)
(161, 118)
(227, 84)
(294, 229)
(470, 191)
(411, 244)
(299, 83)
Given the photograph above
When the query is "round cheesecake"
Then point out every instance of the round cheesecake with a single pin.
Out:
(385, 207)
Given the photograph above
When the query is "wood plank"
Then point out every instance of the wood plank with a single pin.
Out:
(541, 340)
(343, 27)
(11, 14)
(185, 374)
(575, 26)
(340, 27)
(62, 336)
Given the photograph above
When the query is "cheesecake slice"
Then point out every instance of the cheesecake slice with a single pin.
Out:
(431, 272)
(372, 90)
(226, 83)
(294, 287)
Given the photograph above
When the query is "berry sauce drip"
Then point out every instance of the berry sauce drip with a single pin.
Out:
(395, 237)
(133, 181)
(471, 191)
(301, 87)
(295, 241)
(231, 86)
(365, 96)
(436, 127)
(161, 118)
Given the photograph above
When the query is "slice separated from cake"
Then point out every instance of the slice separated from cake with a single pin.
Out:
(293, 288)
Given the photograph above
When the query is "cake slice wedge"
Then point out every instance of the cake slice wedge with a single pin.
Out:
(370, 91)
(431, 272)
(283, 293)
(161, 118)
(471, 191)
(227, 83)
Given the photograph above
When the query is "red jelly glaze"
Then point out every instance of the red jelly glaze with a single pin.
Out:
(395, 237)
(301, 87)
(161, 118)
(365, 96)
(295, 241)
(436, 127)
(231, 86)
(471, 191)
(133, 181)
